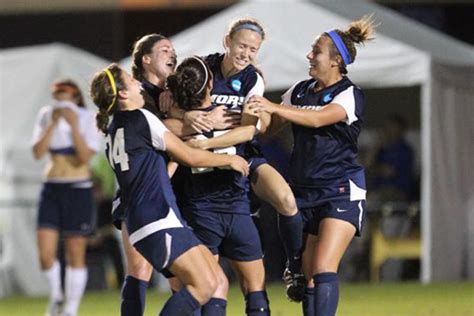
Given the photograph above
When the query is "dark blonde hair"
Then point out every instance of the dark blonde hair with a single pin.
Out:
(239, 24)
(142, 47)
(359, 32)
(188, 84)
(103, 95)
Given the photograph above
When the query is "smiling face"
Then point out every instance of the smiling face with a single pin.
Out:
(321, 65)
(161, 61)
(242, 48)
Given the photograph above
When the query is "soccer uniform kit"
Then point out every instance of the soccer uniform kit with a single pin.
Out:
(151, 103)
(324, 174)
(216, 205)
(67, 205)
(135, 148)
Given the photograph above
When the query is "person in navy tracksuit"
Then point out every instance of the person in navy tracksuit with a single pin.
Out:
(326, 113)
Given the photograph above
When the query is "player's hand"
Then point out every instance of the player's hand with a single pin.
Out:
(198, 120)
(70, 116)
(239, 164)
(166, 101)
(257, 104)
(223, 118)
(56, 115)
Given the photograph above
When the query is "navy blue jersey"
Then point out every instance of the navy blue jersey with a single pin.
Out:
(235, 90)
(151, 96)
(135, 149)
(324, 163)
(215, 189)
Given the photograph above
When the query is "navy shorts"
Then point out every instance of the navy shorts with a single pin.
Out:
(68, 207)
(353, 212)
(256, 162)
(163, 247)
(254, 155)
(233, 236)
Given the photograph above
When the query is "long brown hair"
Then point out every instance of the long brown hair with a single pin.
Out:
(142, 47)
(188, 84)
(103, 94)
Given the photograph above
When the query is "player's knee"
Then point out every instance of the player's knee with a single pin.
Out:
(46, 261)
(222, 287)
(254, 281)
(323, 266)
(205, 289)
(287, 204)
(140, 269)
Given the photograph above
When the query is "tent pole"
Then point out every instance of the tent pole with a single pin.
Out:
(426, 179)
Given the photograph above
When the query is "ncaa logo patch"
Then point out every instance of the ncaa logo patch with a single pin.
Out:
(236, 85)
(327, 98)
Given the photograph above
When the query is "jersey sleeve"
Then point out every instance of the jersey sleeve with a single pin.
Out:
(257, 89)
(157, 130)
(286, 97)
(346, 99)
(41, 122)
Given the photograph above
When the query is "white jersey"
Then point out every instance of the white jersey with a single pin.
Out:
(61, 141)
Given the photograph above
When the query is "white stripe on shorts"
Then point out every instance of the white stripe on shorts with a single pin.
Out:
(168, 239)
(360, 215)
(170, 221)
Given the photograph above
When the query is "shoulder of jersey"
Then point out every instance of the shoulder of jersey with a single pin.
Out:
(212, 59)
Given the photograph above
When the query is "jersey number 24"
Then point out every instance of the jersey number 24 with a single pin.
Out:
(116, 153)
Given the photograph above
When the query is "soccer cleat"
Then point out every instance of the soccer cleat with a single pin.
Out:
(295, 285)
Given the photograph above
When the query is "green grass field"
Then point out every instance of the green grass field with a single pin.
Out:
(397, 299)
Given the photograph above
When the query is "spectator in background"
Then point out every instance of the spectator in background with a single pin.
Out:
(393, 163)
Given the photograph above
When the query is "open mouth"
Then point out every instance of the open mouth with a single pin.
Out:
(241, 62)
(171, 64)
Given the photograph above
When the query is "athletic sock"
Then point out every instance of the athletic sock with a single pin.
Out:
(215, 307)
(53, 275)
(133, 297)
(291, 234)
(75, 284)
(256, 304)
(326, 293)
(308, 302)
(182, 303)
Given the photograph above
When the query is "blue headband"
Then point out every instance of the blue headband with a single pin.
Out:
(341, 47)
(249, 26)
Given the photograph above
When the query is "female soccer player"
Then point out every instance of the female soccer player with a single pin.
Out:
(235, 80)
(154, 59)
(216, 200)
(137, 143)
(326, 112)
(65, 129)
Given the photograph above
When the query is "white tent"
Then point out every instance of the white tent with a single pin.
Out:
(26, 75)
(405, 53)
